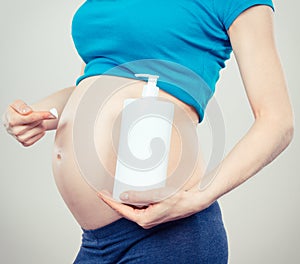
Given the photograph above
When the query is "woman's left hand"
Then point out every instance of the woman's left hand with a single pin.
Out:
(181, 204)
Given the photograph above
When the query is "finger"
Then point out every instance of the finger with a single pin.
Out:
(124, 210)
(22, 129)
(31, 118)
(146, 218)
(21, 107)
(146, 197)
(33, 139)
(31, 133)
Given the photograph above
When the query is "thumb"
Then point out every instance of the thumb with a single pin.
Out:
(147, 197)
(21, 107)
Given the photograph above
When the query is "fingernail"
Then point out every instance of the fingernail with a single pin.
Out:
(25, 110)
(124, 196)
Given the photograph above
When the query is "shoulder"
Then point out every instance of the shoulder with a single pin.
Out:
(228, 10)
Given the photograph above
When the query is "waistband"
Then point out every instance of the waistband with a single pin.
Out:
(123, 225)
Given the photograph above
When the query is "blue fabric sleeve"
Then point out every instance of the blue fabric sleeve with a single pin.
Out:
(229, 10)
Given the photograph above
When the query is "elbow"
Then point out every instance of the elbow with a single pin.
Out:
(289, 130)
(282, 122)
(286, 125)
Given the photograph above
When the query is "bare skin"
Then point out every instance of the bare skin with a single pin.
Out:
(252, 39)
(89, 211)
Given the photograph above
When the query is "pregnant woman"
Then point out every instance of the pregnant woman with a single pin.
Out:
(186, 227)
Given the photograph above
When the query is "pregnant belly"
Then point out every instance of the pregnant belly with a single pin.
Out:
(81, 198)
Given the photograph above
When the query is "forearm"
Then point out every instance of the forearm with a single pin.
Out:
(56, 100)
(265, 140)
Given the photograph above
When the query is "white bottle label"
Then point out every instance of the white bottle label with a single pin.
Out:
(138, 140)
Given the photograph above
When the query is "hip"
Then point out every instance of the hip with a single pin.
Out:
(200, 238)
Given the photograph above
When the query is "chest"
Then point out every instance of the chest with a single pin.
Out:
(149, 21)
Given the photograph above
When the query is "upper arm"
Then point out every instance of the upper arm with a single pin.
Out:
(252, 39)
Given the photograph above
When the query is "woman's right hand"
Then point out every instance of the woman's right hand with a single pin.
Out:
(25, 124)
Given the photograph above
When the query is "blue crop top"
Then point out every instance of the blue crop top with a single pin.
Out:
(185, 42)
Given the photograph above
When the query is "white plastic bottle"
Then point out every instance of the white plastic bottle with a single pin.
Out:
(144, 144)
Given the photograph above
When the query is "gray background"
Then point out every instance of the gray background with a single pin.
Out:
(38, 58)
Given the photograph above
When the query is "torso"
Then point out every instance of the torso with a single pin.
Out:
(89, 211)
